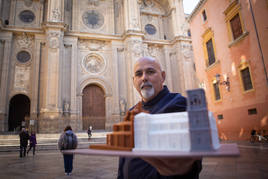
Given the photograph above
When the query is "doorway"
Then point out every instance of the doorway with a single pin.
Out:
(19, 108)
(93, 107)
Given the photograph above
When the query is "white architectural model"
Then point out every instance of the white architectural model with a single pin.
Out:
(181, 131)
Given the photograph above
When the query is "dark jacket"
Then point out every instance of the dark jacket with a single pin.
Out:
(24, 137)
(164, 102)
(33, 140)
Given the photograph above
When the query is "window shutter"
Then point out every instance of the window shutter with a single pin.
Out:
(236, 26)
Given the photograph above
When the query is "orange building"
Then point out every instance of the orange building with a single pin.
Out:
(230, 43)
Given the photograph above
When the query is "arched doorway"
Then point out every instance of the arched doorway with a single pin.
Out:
(19, 107)
(93, 107)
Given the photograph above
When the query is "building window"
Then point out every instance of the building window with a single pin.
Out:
(246, 79)
(210, 51)
(234, 20)
(93, 19)
(150, 29)
(209, 47)
(204, 15)
(217, 94)
(189, 32)
(27, 16)
(236, 26)
(23, 56)
(220, 116)
(252, 111)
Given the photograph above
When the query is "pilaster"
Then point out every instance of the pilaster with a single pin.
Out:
(134, 51)
(6, 41)
(55, 11)
(178, 17)
(132, 15)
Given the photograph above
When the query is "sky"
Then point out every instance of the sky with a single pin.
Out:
(189, 5)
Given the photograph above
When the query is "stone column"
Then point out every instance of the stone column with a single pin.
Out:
(4, 81)
(51, 108)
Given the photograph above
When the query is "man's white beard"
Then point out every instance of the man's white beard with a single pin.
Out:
(147, 93)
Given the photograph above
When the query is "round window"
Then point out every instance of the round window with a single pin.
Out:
(93, 19)
(150, 29)
(27, 16)
(23, 56)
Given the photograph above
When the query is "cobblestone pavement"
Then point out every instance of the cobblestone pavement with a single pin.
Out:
(48, 164)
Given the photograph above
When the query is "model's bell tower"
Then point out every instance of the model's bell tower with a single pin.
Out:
(198, 120)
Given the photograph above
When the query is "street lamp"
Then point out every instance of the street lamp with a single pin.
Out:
(226, 82)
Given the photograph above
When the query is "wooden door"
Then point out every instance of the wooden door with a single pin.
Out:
(93, 109)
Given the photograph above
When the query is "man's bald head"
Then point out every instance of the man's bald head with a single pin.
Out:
(148, 77)
(149, 59)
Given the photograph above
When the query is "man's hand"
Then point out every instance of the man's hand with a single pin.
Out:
(172, 166)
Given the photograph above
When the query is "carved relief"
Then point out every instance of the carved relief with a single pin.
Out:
(135, 47)
(135, 23)
(22, 77)
(93, 45)
(123, 106)
(56, 15)
(28, 3)
(93, 64)
(53, 40)
(150, 6)
(146, 3)
(153, 50)
(25, 41)
(187, 51)
(93, 2)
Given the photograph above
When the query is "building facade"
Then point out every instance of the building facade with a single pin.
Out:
(70, 61)
(230, 43)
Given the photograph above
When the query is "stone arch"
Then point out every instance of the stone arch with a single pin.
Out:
(101, 82)
(19, 108)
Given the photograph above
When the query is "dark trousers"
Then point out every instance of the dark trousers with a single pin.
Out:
(22, 148)
(31, 146)
(68, 163)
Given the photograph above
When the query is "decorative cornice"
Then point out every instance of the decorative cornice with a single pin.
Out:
(56, 25)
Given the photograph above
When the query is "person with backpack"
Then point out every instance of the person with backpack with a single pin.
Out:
(68, 141)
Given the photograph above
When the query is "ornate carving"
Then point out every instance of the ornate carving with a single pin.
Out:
(153, 50)
(56, 15)
(28, 3)
(146, 4)
(53, 40)
(94, 2)
(25, 41)
(22, 77)
(135, 23)
(93, 45)
(135, 47)
(93, 64)
(123, 106)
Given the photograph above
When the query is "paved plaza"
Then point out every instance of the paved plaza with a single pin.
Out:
(252, 164)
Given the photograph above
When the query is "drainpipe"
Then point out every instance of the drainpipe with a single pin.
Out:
(259, 44)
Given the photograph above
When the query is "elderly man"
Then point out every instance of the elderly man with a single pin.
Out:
(148, 80)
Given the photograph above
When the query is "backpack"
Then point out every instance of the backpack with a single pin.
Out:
(68, 141)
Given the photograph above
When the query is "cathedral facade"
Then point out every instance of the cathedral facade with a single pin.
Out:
(71, 61)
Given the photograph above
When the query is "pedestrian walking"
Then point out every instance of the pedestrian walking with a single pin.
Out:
(89, 132)
(32, 142)
(67, 141)
(24, 137)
